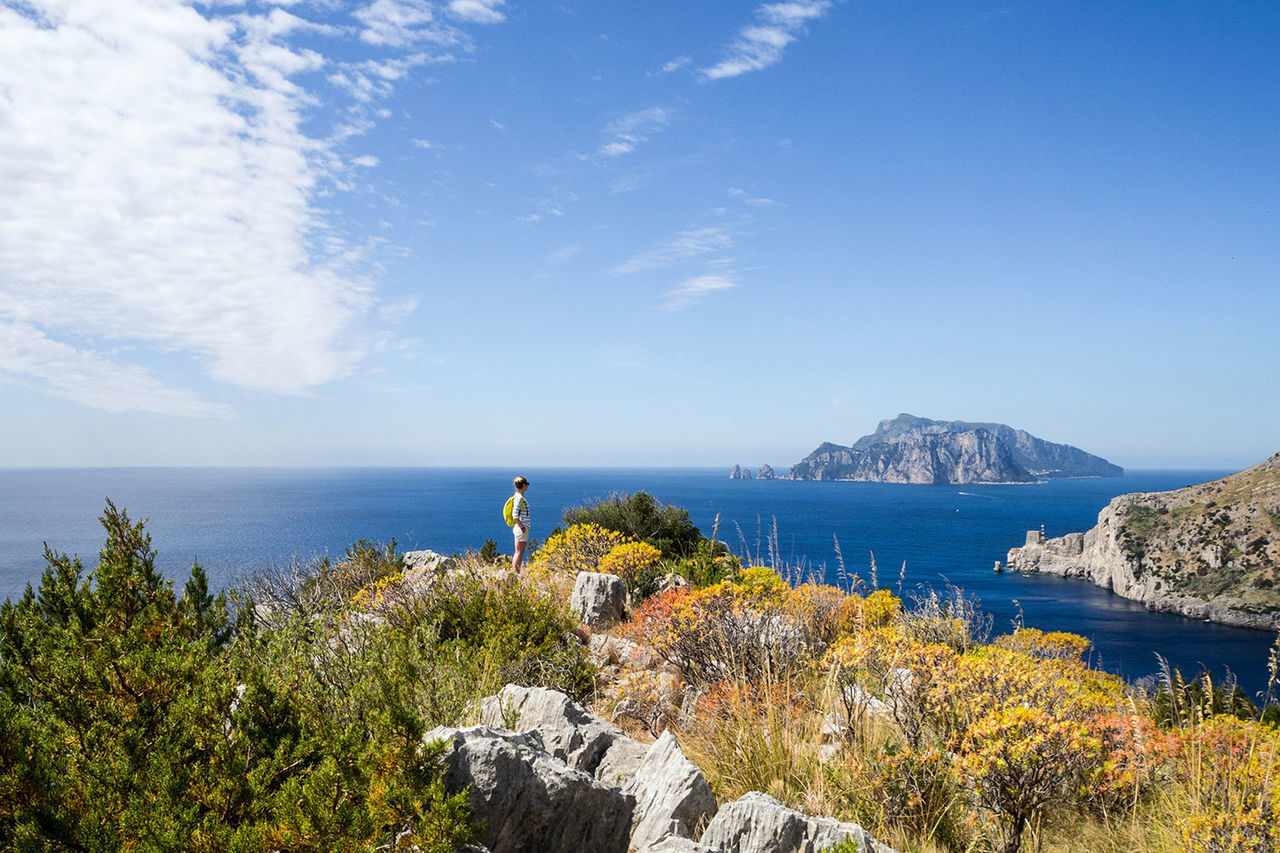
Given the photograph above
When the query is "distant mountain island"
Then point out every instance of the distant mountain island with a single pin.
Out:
(908, 449)
(1210, 551)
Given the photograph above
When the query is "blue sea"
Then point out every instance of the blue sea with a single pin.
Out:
(235, 520)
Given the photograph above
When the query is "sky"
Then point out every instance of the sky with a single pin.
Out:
(499, 232)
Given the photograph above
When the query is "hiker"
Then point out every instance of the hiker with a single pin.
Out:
(519, 515)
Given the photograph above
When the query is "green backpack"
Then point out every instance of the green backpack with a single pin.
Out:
(507, 510)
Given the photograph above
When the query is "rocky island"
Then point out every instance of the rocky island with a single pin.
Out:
(1209, 551)
(909, 449)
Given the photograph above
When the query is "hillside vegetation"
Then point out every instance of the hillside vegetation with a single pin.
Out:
(290, 716)
(1212, 540)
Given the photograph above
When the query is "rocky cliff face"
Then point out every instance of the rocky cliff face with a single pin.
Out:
(908, 449)
(1210, 551)
(765, 473)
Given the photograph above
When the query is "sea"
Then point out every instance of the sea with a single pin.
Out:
(235, 521)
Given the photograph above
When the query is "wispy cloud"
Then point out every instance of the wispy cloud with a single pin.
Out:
(687, 245)
(761, 44)
(27, 356)
(397, 23)
(675, 65)
(626, 133)
(195, 232)
(479, 11)
(749, 200)
(694, 290)
(563, 254)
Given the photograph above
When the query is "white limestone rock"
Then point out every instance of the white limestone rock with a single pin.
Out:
(757, 823)
(528, 800)
(672, 796)
(582, 741)
(599, 599)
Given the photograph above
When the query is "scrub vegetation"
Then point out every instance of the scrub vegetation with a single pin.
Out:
(289, 714)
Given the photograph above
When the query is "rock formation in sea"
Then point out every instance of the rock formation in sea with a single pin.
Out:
(765, 473)
(908, 449)
(739, 473)
(1209, 551)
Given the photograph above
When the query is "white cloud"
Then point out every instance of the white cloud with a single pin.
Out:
(397, 311)
(497, 125)
(478, 11)
(161, 195)
(79, 376)
(675, 65)
(752, 201)
(371, 79)
(631, 130)
(397, 23)
(693, 290)
(563, 254)
(761, 44)
(124, 217)
(688, 244)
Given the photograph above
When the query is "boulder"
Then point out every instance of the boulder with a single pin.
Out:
(605, 650)
(672, 796)
(528, 801)
(598, 599)
(566, 730)
(757, 823)
(427, 561)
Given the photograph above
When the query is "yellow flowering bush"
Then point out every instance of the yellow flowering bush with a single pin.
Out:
(374, 596)
(1024, 760)
(741, 627)
(879, 608)
(628, 560)
(992, 678)
(1229, 768)
(1052, 645)
(580, 548)
(818, 608)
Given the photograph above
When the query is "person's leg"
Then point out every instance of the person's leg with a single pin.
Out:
(517, 559)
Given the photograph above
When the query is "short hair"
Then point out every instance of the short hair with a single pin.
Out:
(519, 482)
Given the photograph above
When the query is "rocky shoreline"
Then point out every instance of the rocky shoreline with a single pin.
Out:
(1207, 552)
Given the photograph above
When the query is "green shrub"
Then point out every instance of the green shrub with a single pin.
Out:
(644, 519)
(132, 718)
(517, 633)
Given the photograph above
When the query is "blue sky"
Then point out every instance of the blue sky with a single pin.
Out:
(420, 232)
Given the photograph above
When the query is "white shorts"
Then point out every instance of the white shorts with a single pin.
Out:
(520, 535)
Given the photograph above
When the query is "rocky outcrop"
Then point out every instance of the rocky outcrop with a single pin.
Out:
(739, 473)
(672, 796)
(527, 799)
(908, 449)
(599, 599)
(570, 734)
(765, 473)
(757, 823)
(567, 781)
(1209, 551)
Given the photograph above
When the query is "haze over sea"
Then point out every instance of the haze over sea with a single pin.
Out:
(234, 520)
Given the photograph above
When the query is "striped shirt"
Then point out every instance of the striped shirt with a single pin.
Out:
(520, 511)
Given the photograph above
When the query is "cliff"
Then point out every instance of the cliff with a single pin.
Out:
(908, 449)
(1209, 551)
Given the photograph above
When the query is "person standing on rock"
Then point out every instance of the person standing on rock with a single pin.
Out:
(520, 514)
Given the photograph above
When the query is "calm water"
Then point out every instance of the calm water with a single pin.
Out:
(233, 520)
